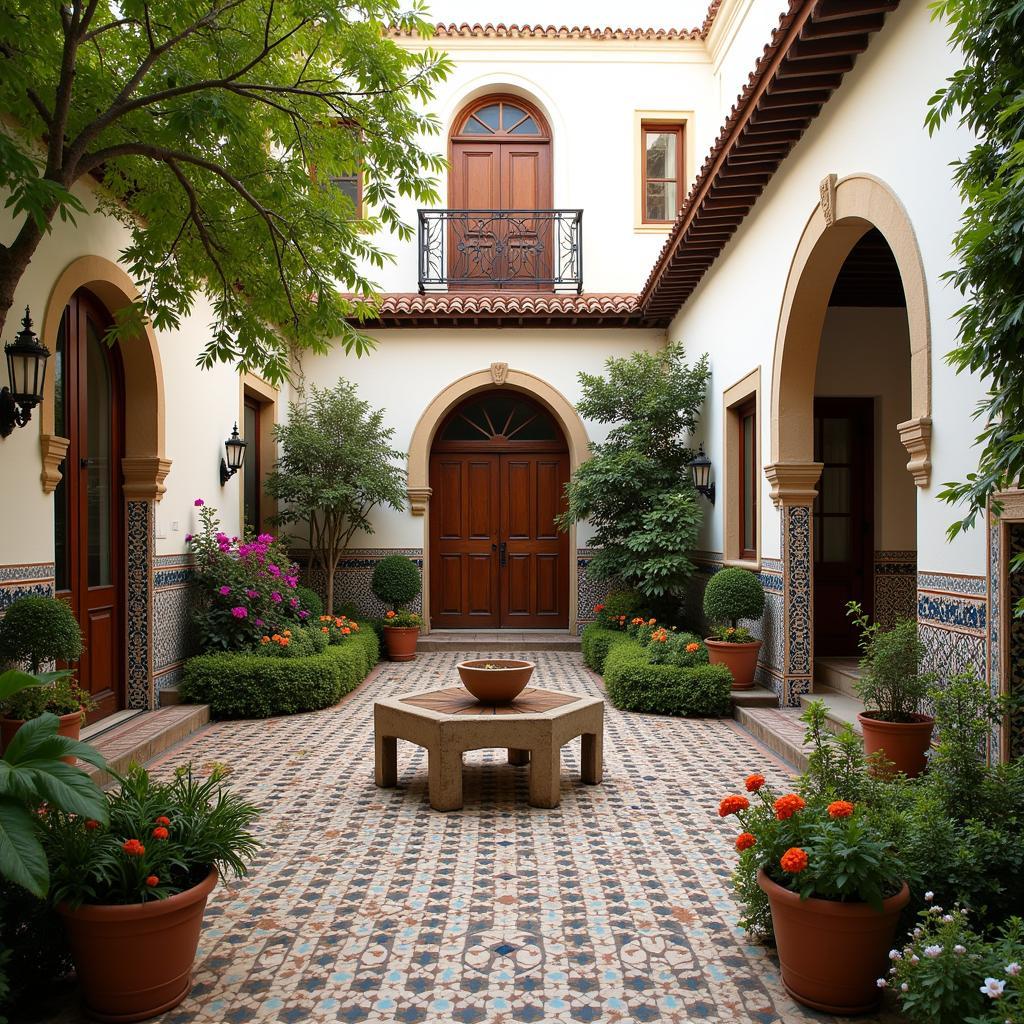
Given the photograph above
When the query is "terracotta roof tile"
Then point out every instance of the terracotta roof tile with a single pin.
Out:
(503, 31)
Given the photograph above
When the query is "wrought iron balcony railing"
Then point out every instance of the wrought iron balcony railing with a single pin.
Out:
(501, 249)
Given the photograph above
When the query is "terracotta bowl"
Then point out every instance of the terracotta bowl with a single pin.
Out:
(500, 684)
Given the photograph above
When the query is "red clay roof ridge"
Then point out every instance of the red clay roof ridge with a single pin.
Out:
(499, 30)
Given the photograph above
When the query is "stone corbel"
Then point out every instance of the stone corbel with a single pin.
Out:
(916, 435)
(793, 483)
(419, 499)
(144, 477)
(54, 449)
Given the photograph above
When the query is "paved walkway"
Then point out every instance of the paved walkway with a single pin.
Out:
(365, 905)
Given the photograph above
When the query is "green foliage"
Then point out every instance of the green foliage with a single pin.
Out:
(396, 581)
(251, 686)
(733, 594)
(38, 630)
(635, 684)
(31, 773)
(184, 827)
(217, 129)
(401, 620)
(310, 600)
(985, 96)
(891, 684)
(635, 490)
(302, 643)
(620, 606)
(336, 465)
(683, 650)
(596, 641)
(61, 696)
(836, 762)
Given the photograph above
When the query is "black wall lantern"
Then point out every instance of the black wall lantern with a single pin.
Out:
(700, 467)
(26, 370)
(235, 448)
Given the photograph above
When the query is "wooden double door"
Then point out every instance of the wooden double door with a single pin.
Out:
(88, 501)
(498, 561)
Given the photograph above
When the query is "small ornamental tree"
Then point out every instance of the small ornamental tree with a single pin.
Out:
(38, 630)
(635, 490)
(216, 127)
(336, 465)
(733, 594)
(396, 581)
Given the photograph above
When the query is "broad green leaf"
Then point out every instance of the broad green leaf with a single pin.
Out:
(69, 789)
(37, 740)
(22, 859)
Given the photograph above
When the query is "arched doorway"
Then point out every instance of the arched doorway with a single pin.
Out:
(500, 157)
(499, 463)
(88, 503)
(856, 247)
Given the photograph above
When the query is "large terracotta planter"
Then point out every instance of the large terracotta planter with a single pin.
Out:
(740, 659)
(499, 684)
(400, 642)
(134, 962)
(903, 743)
(70, 726)
(832, 954)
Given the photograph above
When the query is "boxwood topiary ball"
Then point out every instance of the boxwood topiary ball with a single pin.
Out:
(396, 580)
(38, 630)
(733, 594)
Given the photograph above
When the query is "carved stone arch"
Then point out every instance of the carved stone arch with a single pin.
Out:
(418, 481)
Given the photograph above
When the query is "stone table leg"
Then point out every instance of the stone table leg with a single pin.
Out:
(545, 775)
(518, 756)
(386, 761)
(592, 757)
(444, 779)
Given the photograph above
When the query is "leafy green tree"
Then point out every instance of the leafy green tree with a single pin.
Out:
(215, 127)
(986, 96)
(636, 490)
(336, 465)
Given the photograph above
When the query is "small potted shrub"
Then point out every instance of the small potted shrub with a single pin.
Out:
(35, 632)
(893, 687)
(396, 582)
(132, 892)
(836, 890)
(730, 595)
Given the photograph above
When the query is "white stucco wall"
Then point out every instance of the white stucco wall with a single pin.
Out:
(873, 124)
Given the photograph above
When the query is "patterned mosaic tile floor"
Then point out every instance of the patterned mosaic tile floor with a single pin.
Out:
(365, 905)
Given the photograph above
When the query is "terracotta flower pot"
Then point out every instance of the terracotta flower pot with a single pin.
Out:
(903, 743)
(70, 726)
(401, 642)
(739, 659)
(500, 684)
(134, 962)
(831, 953)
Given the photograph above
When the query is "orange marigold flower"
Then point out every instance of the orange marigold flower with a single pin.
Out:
(390, 615)
(162, 820)
(287, 632)
(324, 629)
(264, 639)
(754, 782)
(840, 809)
(91, 825)
(346, 631)
(732, 805)
(598, 608)
(690, 648)
(745, 840)
(652, 622)
(133, 848)
(636, 622)
(152, 880)
(285, 641)
(786, 806)
(794, 860)
(160, 832)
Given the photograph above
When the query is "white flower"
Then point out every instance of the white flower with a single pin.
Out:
(959, 949)
(1013, 969)
(915, 959)
(895, 954)
(993, 988)
(882, 983)
(917, 933)
(892, 970)
(904, 987)
(929, 896)
(932, 951)
(947, 918)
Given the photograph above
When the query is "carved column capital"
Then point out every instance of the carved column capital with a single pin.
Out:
(916, 435)
(419, 499)
(54, 448)
(827, 192)
(144, 477)
(793, 483)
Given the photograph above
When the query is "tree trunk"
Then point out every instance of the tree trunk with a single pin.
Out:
(14, 260)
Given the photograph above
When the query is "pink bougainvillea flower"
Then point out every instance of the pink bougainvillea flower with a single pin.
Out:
(239, 612)
(199, 503)
(188, 538)
(294, 602)
(275, 597)
(224, 591)
(252, 593)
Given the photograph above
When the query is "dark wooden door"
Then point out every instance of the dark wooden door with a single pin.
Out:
(497, 559)
(88, 500)
(843, 519)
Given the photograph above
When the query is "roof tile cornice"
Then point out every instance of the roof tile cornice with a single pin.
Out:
(477, 30)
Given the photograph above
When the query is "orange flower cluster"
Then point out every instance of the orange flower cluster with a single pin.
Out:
(91, 825)
(598, 608)
(745, 840)
(840, 809)
(691, 647)
(754, 782)
(794, 860)
(637, 621)
(651, 622)
(281, 639)
(160, 832)
(660, 636)
(342, 623)
(133, 848)
(732, 805)
(152, 880)
(786, 806)
(390, 615)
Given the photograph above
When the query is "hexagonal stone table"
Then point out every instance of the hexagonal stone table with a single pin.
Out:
(450, 721)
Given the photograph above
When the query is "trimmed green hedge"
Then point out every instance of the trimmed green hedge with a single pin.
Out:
(634, 684)
(239, 685)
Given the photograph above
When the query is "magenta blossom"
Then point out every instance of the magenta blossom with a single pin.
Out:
(224, 591)
(303, 615)
(252, 594)
(188, 538)
(240, 612)
(292, 582)
(275, 597)
(198, 503)
(259, 622)
(294, 602)
(273, 570)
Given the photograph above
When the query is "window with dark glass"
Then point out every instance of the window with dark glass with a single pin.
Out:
(747, 417)
(252, 476)
(352, 186)
(61, 551)
(500, 417)
(662, 163)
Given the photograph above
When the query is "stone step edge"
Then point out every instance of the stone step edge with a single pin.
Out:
(835, 719)
(795, 756)
(428, 646)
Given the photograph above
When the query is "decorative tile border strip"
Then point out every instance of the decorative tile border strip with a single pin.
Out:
(25, 573)
(952, 612)
(183, 558)
(953, 583)
(140, 528)
(9, 593)
(181, 576)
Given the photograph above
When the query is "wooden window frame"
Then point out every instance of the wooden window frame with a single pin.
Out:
(740, 468)
(678, 128)
(256, 390)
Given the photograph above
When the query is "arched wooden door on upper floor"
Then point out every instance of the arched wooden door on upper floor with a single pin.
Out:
(500, 161)
(88, 501)
(498, 469)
